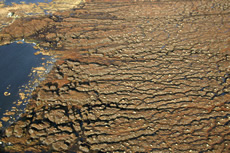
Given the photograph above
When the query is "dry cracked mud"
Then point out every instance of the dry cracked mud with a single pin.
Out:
(131, 76)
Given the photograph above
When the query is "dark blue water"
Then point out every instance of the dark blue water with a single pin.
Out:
(9, 2)
(16, 75)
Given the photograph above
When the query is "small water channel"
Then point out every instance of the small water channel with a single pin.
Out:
(9, 2)
(21, 70)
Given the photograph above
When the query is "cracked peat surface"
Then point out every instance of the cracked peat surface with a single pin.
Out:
(131, 76)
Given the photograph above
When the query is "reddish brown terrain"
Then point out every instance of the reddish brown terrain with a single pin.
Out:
(130, 76)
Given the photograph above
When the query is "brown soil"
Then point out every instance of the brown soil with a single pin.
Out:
(131, 76)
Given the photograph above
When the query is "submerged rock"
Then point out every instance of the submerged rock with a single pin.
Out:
(7, 93)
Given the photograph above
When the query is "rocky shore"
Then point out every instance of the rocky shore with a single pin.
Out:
(149, 76)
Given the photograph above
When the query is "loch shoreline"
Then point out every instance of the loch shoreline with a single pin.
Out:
(19, 78)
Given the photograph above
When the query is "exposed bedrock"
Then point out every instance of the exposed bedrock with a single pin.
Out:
(140, 77)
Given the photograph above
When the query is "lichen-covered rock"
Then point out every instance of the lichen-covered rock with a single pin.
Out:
(65, 129)
(40, 126)
(9, 132)
(57, 116)
(60, 145)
